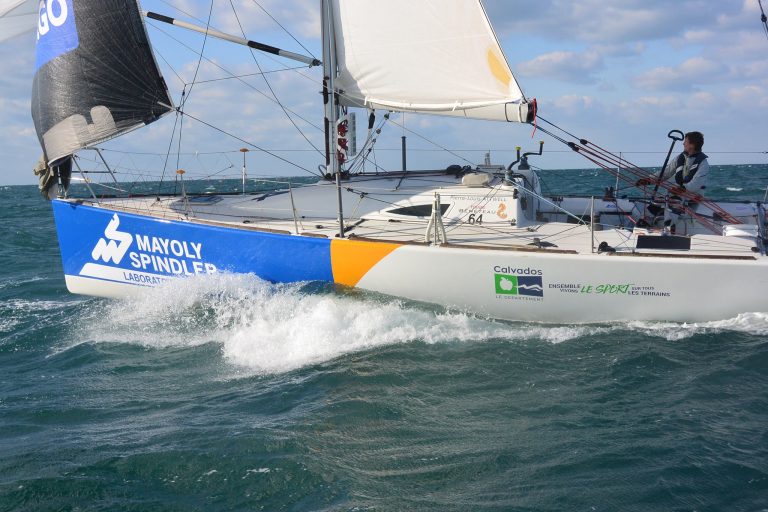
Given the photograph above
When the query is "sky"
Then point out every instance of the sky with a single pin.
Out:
(621, 74)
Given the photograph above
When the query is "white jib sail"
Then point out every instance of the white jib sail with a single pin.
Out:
(429, 56)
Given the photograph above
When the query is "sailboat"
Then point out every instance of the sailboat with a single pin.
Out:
(480, 239)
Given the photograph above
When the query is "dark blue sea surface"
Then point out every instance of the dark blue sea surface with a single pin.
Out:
(230, 393)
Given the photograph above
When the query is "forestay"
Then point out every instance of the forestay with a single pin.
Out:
(95, 74)
(431, 56)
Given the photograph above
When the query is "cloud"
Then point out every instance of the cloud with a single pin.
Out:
(738, 46)
(686, 76)
(644, 109)
(573, 104)
(620, 49)
(597, 21)
(565, 66)
(748, 97)
(701, 100)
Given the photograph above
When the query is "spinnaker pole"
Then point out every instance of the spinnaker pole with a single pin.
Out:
(311, 61)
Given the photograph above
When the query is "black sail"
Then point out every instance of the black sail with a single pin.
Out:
(95, 74)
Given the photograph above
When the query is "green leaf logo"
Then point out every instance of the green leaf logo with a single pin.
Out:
(506, 284)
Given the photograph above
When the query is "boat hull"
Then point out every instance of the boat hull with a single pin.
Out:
(117, 254)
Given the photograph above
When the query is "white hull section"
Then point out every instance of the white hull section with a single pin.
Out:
(575, 288)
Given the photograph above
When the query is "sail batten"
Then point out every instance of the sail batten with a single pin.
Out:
(96, 76)
(432, 56)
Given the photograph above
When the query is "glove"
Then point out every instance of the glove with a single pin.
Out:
(677, 191)
(644, 182)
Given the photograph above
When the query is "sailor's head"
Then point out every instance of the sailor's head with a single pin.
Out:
(693, 142)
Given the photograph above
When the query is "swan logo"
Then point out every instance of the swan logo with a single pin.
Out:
(116, 244)
(507, 284)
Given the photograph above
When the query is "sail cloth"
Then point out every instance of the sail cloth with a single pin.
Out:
(95, 74)
(429, 56)
(17, 17)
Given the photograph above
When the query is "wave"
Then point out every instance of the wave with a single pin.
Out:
(747, 323)
(15, 283)
(274, 328)
(17, 312)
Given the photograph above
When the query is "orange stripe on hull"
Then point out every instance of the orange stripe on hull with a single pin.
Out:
(352, 259)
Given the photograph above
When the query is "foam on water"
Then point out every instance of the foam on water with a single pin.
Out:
(17, 283)
(273, 328)
(14, 312)
(279, 327)
(748, 323)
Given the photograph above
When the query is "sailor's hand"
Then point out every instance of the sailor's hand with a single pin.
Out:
(644, 182)
(677, 191)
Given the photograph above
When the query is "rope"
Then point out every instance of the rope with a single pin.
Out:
(610, 162)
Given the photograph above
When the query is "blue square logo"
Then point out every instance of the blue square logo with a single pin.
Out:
(56, 31)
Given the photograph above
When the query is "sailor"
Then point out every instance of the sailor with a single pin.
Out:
(690, 169)
(690, 173)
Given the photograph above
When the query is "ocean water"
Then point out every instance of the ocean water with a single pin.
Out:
(230, 393)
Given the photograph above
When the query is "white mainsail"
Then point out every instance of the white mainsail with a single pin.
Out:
(430, 56)
(17, 17)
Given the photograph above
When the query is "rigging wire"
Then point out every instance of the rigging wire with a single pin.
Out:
(269, 86)
(178, 149)
(170, 145)
(270, 57)
(260, 73)
(201, 54)
(258, 148)
(170, 66)
(763, 17)
(233, 75)
(368, 147)
(182, 103)
(431, 141)
(282, 27)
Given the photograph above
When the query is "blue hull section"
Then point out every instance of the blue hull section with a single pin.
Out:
(140, 250)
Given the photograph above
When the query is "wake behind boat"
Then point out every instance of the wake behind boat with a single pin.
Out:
(483, 239)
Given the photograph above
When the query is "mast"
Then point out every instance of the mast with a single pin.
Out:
(331, 106)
